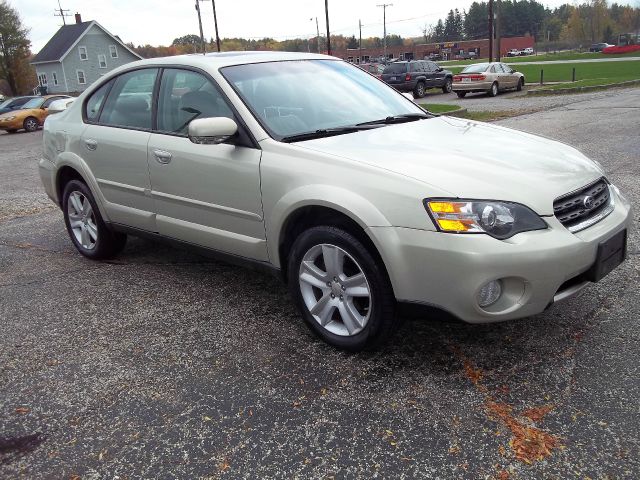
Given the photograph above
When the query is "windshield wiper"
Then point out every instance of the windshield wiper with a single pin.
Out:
(406, 117)
(326, 132)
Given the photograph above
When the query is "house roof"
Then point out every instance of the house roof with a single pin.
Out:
(65, 38)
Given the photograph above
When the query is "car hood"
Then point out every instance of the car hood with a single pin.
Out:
(468, 159)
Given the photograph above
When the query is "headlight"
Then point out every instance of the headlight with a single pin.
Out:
(499, 219)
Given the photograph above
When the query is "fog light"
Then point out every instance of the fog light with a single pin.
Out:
(489, 293)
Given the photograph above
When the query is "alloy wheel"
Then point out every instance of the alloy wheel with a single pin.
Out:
(335, 290)
(30, 124)
(447, 86)
(82, 220)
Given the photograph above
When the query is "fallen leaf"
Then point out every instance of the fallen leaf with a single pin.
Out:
(224, 466)
(22, 410)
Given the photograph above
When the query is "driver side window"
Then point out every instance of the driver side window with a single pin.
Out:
(184, 96)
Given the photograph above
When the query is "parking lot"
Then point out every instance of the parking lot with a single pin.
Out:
(164, 364)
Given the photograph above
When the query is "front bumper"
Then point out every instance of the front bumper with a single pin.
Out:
(447, 270)
(15, 124)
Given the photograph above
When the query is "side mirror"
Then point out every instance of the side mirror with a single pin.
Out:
(440, 69)
(61, 105)
(211, 131)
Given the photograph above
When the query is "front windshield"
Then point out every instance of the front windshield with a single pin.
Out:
(33, 103)
(293, 97)
(476, 68)
(5, 103)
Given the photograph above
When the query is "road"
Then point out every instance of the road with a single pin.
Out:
(163, 364)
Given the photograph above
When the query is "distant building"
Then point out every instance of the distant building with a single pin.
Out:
(79, 54)
(441, 51)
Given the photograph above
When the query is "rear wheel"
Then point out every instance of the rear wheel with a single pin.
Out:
(446, 88)
(461, 94)
(88, 232)
(493, 91)
(344, 295)
(420, 90)
(30, 124)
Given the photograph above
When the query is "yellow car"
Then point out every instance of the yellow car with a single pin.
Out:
(30, 116)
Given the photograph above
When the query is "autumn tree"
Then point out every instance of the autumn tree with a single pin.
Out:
(14, 51)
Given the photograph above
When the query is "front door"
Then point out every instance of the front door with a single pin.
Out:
(208, 195)
(114, 145)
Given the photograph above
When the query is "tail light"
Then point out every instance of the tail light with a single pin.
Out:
(475, 78)
(407, 77)
(457, 78)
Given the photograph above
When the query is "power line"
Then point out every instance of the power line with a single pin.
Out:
(60, 12)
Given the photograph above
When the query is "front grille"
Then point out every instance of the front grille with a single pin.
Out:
(584, 207)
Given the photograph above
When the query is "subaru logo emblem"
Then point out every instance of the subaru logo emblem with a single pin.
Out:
(588, 202)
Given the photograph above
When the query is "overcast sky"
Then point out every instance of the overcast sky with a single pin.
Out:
(158, 22)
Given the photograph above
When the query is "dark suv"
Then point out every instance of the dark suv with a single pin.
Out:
(417, 76)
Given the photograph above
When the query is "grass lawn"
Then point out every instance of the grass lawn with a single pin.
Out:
(440, 107)
(561, 72)
(590, 82)
(545, 57)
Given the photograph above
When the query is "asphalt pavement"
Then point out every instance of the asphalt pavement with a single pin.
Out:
(164, 364)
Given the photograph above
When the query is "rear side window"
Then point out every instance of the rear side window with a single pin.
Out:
(396, 68)
(129, 102)
(95, 102)
(185, 96)
(416, 67)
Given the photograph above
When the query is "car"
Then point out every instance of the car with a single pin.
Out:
(598, 47)
(417, 76)
(14, 103)
(362, 202)
(30, 115)
(374, 69)
(527, 51)
(514, 52)
(489, 77)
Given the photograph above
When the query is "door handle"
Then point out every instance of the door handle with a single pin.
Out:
(162, 156)
(91, 144)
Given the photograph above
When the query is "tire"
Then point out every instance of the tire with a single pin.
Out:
(520, 85)
(420, 90)
(371, 309)
(88, 232)
(461, 94)
(448, 84)
(31, 124)
(494, 90)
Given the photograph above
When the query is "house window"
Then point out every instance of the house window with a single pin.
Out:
(81, 78)
(102, 61)
(54, 75)
(113, 51)
(82, 51)
(42, 79)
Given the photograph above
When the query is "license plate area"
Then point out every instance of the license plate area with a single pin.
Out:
(466, 80)
(611, 253)
(393, 78)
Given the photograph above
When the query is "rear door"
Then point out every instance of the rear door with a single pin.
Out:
(208, 195)
(438, 75)
(114, 145)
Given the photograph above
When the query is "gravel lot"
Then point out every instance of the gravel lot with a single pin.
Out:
(163, 364)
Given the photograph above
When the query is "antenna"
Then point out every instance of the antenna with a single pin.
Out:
(60, 12)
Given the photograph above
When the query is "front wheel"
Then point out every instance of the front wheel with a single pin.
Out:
(342, 291)
(30, 124)
(446, 88)
(461, 94)
(493, 91)
(420, 90)
(520, 85)
(88, 232)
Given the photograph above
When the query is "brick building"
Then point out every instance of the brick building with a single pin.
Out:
(446, 50)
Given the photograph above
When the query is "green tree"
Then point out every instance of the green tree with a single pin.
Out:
(352, 42)
(476, 23)
(14, 50)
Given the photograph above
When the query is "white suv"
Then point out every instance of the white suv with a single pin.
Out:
(310, 167)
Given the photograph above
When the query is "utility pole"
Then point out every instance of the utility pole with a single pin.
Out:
(491, 30)
(215, 21)
(384, 23)
(497, 29)
(326, 13)
(204, 49)
(61, 13)
(360, 42)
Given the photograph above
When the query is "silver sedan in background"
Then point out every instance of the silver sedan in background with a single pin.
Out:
(487, 77)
